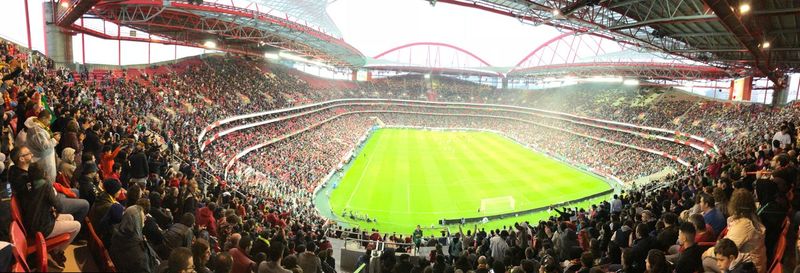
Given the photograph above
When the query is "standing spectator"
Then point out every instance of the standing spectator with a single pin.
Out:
(91, 143)
(106, 211)
(616, 204)
(274, 259)
(180, 261)
(306, 259)
(42, 143)
(241, 262)
(138, 167)
(205, 218)
(202, 254)
(129, 250)
(179, 235)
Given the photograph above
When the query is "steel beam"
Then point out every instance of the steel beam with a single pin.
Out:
(672, 20)
(734, 24)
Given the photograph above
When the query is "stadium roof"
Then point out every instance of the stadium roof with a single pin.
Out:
(251, 29)
(709, 31)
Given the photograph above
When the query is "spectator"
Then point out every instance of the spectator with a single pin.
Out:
(729, 260)
(241, 262)
(180, 261)
(201, 253)
(656, 262)
(38, 200)
(42, 143)
(711, 215)
(179, 235)
(689, 259)
(306, 259)
(745, 230)
(129, 250)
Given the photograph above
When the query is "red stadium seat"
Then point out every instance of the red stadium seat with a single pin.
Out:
(16, 216)
(98, 250)
(41, 252)
(780, 247)
(20, 250)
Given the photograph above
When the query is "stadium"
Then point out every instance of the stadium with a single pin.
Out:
(379, 136)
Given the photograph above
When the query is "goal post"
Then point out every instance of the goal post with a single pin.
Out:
(497, 205)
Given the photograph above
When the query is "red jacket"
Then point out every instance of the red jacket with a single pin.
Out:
(205, 217)
(107, 162)
(241, 263)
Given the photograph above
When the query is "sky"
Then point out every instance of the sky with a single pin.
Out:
(371, 26)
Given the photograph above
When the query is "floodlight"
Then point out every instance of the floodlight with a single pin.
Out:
(210, 44)
(765, 45)
(744, 8)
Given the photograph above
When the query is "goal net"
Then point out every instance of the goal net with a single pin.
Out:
(497, 205)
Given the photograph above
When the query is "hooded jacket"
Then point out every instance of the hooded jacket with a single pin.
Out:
(42, 146)
(205, 217)
(129, 250)
(67, 165)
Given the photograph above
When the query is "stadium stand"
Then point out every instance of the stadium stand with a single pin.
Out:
(132, 137)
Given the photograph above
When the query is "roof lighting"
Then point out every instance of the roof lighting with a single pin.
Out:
(556, 12)
(765, 45)
(271, 56)
(65, 4)
(631, 82)
(210, 44)
(744, 8)
(290, 56)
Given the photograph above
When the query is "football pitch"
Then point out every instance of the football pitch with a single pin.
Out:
(405, 177)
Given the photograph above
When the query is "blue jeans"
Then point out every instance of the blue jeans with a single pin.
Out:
(79, 208)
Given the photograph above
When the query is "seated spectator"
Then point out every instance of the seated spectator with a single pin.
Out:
(88, 183)
(711, 214)
(728, 258)
(657, 262)
(745, 230)
(705, 233)
(689, 259)
(128, 249)
(67, 165)
(38, 201)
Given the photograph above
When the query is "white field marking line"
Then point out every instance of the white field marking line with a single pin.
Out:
(360, 178)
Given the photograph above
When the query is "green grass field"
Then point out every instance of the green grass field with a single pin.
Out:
(405, 177)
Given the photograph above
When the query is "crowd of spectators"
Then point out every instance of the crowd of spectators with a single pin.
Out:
(120, 154)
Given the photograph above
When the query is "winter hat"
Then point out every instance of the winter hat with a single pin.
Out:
(112, 186)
